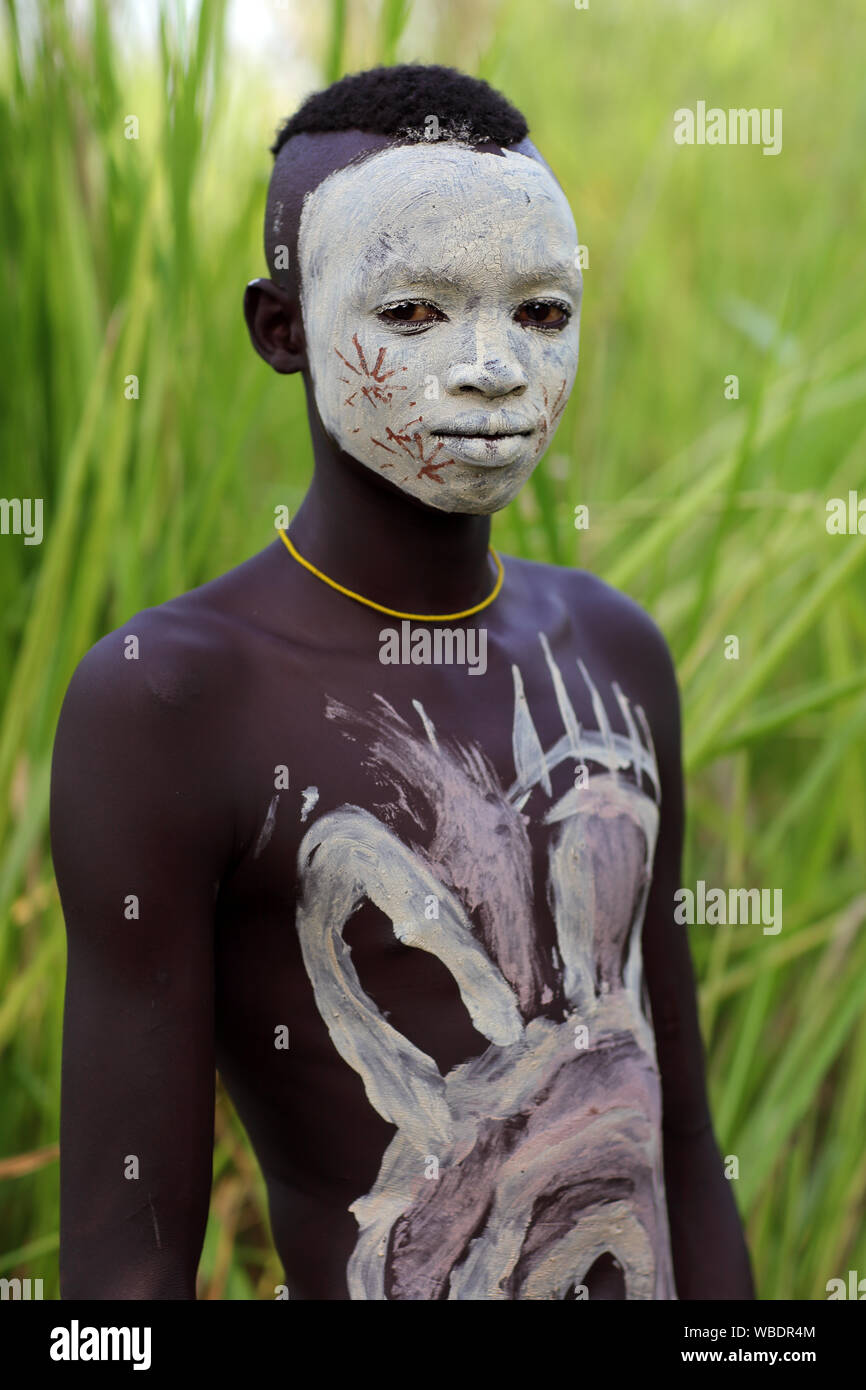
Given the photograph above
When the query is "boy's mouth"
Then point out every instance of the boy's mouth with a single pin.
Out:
(488, 440)
(480, 426)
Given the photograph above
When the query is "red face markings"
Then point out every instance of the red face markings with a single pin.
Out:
(554, 410)
(413, 445)
(431, 470)
(374, 389)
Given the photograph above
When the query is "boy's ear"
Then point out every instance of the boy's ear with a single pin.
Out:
(276, 328)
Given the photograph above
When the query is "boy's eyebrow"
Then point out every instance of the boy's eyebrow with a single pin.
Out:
(415, 275)
(553, 270)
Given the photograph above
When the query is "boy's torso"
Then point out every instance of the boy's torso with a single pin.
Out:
(429, 990)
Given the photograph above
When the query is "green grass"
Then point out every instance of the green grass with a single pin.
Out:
(128, 257)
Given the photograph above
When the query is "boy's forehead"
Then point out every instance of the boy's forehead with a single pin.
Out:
(412, 200)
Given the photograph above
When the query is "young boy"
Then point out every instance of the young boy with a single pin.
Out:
(385, 826)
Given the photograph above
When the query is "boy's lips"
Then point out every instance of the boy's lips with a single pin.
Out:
(490, 440)
(487, 451)
(478, 425)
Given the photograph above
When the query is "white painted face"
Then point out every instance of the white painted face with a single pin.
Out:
(441, 304)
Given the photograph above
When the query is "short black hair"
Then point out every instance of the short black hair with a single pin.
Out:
(399, 100)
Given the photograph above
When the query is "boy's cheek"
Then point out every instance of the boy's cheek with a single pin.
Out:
(362, 378)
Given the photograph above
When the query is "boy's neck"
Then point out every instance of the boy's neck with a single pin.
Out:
(384, 546)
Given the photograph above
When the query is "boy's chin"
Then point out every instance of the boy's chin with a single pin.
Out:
(474, 506)
(479, 494)
(490, 494)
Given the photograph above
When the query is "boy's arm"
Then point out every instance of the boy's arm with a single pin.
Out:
(709, 1251)
(139, 845)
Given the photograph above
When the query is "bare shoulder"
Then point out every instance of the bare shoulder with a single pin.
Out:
(623, 619)
(143, 744)
(622, 637)
(158, 656)
(186, 654)
(605, 614)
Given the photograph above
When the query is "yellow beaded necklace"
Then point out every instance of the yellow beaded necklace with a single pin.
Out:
(393, 612)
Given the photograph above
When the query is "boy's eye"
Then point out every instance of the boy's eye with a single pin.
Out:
(410, 311)
(543, 313)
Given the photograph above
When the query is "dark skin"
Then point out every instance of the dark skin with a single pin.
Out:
(162, 777)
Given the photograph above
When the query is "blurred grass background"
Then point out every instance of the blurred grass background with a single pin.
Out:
(129, 257)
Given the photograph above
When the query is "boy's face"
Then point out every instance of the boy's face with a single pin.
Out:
(441, 306)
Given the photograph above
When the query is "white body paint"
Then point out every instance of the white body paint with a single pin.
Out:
(267, 829)
(477, 236)
(549, 1156)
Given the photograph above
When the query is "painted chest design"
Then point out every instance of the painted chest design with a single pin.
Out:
(545, 1150)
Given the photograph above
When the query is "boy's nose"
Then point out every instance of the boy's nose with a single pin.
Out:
(493, 370)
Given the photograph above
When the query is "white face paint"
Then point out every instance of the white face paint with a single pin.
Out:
(441, 303)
